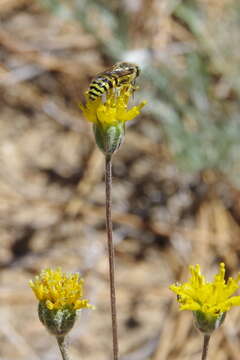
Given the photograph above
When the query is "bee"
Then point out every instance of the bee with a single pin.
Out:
(120, 74)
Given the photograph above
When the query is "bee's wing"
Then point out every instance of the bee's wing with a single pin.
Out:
(121, 72)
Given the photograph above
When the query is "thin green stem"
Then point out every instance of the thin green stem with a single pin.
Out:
(62, 347)
(111, 255)
(205, 346)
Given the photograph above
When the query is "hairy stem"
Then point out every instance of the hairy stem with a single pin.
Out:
(62, 347)
(111, 256)
(205, 346)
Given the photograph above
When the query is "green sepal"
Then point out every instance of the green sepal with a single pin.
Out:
(109, 138)
(207, 323)
(58, 322)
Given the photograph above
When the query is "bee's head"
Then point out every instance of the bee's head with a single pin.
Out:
(137, 70)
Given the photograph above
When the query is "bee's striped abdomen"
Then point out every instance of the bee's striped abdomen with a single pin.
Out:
(101, 85)
(95, 90)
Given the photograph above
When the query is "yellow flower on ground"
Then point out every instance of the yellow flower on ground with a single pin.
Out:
(211, 298)
(112, 111)
(58, 290)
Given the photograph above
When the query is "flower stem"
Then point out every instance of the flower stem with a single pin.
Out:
(111, 256)
(205, 346)
(62, 347)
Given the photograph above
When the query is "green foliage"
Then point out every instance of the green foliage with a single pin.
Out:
(194, 94)
(202, 124)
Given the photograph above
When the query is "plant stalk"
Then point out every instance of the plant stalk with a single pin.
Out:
(62, 347)
(205, 346)
(111, 255)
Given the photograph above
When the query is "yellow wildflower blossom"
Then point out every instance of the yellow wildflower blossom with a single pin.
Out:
(114, 110)
(211, 298)
(109, 117)
(58, 290)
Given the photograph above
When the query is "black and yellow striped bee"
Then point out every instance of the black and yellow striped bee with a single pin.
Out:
(120, 74)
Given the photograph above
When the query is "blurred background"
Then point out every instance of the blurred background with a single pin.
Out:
(176, 194)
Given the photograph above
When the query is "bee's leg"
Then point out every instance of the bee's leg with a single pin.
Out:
(134, 88)
(117, 90)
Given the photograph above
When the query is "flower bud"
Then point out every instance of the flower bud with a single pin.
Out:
(60, 296)
(58, 321)
(109, 138)
(206, 322)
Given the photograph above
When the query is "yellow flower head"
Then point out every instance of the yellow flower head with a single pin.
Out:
(211, 298)
(58, 290)
(109, 116)
(114, 110)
